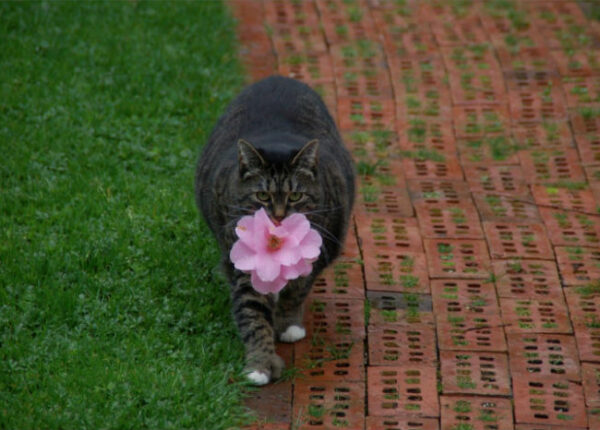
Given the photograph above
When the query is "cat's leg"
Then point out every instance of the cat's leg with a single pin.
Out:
(289, 311)
(253, 314)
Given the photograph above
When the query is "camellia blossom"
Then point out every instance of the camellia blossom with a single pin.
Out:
(274, 254)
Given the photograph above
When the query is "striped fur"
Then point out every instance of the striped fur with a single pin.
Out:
(275, 147)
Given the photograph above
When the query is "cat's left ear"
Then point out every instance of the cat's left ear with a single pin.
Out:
(306, 158)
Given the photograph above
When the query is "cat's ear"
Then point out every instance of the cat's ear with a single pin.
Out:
(306, 158)
(249, 158)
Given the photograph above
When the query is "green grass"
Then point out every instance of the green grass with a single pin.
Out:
(113, 313)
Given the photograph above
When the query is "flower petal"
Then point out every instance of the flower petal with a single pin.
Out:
(297, 225)
(288, 254)
(242, 257)
(266, 287)
(311, 244)
(245, 230)
(302, 268)
(267, 268)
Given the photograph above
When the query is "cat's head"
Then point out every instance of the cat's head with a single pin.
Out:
(283, 185)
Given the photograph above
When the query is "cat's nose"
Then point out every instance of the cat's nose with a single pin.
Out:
(278, 213)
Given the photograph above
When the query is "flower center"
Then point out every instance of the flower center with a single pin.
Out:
(274, 242)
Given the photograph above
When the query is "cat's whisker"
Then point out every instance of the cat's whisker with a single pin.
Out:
(326, 233)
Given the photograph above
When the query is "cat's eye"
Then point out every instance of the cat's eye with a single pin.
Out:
(294, 197)
(263, 196)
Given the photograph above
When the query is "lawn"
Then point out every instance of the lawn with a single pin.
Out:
(113, 312)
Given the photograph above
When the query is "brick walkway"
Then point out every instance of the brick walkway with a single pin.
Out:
(458, 304)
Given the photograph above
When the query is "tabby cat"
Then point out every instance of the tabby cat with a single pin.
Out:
(276, 147)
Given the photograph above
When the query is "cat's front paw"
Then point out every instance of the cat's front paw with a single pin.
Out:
(292, 334)
(266, 370)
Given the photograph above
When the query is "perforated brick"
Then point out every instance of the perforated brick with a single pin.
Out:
(505, 208)
(535, 316)
(326, 405)
(567, 228)
(467, 372)
(327, 360)
(476, 413)
(524, 240)
(361, 113)
(409, 74)
(589, 148)
(341, 280)
(289, 39)
(578, 265)
(584, 91)
(542, 135)
(287, 14)
(402, 389)
(396, 270)
(590, 375)
(457, 297)
(526, 59)
(399, 43)
(480, 120)
(584, 305)
(551, 166)
(454, 258)
(588, 343)
(383, 190)
(496, 179)
(381, 231)
(445, 221)
(436, 192)
(372, 146)
(565, 198)
(524, 279)
(425, 136)
(408, 422)
(473, 332)
(344, 22)
(391, 344)
(532, 99)
(327, 319)
(499, 149)
(459, 33)
(544, 355)
(474, 75)
(504, 34)
(388, 308)
(585, 121)
(548, 400)
(576, 63)
(420, 168)
(313, 68)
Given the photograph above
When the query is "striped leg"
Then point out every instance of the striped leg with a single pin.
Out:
(254, 313)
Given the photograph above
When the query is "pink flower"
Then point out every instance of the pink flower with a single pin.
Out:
(274, 254)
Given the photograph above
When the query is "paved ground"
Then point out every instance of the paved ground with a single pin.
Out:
(468, 295)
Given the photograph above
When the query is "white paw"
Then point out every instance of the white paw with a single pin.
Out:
(292, 334)
(258, 378)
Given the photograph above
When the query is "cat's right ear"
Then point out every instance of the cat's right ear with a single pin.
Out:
(249, 159)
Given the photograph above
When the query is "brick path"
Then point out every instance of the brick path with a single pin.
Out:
(458, 304)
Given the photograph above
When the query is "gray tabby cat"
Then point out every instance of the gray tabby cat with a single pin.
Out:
(276, 147)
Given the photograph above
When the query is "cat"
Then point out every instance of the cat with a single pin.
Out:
(276, 147)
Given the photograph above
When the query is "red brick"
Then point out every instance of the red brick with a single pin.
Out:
(411, 74)
(342, 280)
(576, 63)
(567, 228)
(378, 231)
(448, 221)
(328, 360)
(326, 405)
(435, 192)
(364, 84)
(428, 134)
(396, 270)
(496, 179)
(311, 68)
(398, 42)
(470, 332)
(588, 343)
(565, 198)
(268, 426)
(351, 250)
(474, 75)
(578, 265)
(527, 279)
(584, 123)
(593, 176)
(524, 60)
(545, 135)
(544, 355)
(372, 146)
(535, 316)
(584, 306)
(504, 208)
(525, 240)
(478, 412)
(288, 14)
(406, 316)
(548, 400)
(467, 372)
(497, 149)
(583, 91)
(420, 168)
(459, 32)
(384, 191)
(589, 149)
(551, 166)
(591, 383)
(361, 113)
(391, 345)
(464, 297)
(443, 11)
(480, 120)
(338, 319)
(535, 97)
(454, 258)
(342, 24)
(399, 422)
(402, 389)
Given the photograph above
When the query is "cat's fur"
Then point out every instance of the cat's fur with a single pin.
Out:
(276, 137)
